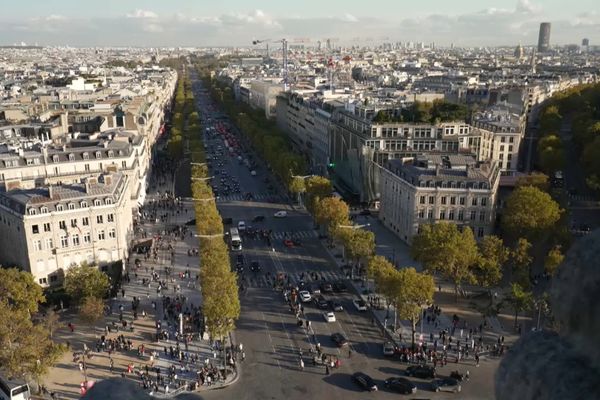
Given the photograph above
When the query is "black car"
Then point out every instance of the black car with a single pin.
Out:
(335, 305)
(321, 302)
(340, 287)
(258, 218)
(326, 287)
(255, 266)
(400, 385)
(365, 381)
(339, 339)
(421, 371)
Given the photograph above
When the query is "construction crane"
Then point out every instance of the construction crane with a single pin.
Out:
(284, 50)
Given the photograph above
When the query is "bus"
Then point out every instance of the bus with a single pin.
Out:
(13, 389)
(235, 240)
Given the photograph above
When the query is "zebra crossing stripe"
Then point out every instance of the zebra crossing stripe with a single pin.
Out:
(295, 278)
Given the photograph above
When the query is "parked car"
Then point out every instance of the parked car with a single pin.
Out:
(365, 381)
(421, 371)
(329, 316)
(400, 385)
(336, 305)
(321, 302)
(280, 214)
(288, 243)
(389, 349)
(305, 297)
(446, 385)
(241, 226)
(359, 304)
(339, 339)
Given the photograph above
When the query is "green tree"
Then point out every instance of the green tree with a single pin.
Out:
(493, 257)
(86, 281)
(551, 159)
(317, 188)
(91, 310)
(443, 248)
(358, 244)
(520, 299)
(297, 186)
(528, 212)
(553, 260)
(550, 120)
(20, 289)
(332, 212)
(521, 262)
(412, 292)
(538, 180)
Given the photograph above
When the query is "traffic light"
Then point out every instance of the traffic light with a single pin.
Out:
(331, 165)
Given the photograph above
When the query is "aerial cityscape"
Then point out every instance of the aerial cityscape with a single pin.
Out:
(268, 200)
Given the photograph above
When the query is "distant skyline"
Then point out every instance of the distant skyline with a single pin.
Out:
(159, 23)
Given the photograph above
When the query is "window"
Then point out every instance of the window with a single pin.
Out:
(44, 210)
(75, 238)
(108, 200)
(443, 199)
(480, 232)
(37, 245)
(111, 153)
(98, 154)
(97, 202)
(60, 207)
(451, 215)
(421, 213)
(124, 164)
(87, 238)
(112, 233)
(484, 201)
(453, 200)
(101, 235)
(55, 158)
(99, 219)
(62, 225)
(35, 229)
(71, 157)
(429, 214)
(85, 221)
(443, 214)
(461, 201)
(83, 204)
(74, 223)
(110, 218)
(482, 216)
(53, 278)
(71, 206)
(64, 241)
(461, 215)
(47, 227)
(86, 156)
(422, 200)
(474, 201)
(86, 167)
(473, 215)
(32, 211)
(43, 281)
(49, 244)
(431, 199)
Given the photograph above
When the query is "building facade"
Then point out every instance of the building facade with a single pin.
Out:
(544, 37)
(47, 230)
(431, 188)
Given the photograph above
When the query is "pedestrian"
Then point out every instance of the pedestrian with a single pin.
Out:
(123, 292)
(477, 360)
(243, 355)
(301, 364)
(326, 369)
(349, 352)
(112, 365)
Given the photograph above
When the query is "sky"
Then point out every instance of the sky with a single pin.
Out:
(159, 23)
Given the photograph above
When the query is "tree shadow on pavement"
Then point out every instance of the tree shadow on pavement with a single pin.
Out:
(343, 381)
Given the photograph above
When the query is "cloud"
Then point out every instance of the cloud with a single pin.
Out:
(350, 18)
(142, 14)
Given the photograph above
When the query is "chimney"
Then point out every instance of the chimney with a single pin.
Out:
(51, 191)
(108, 180)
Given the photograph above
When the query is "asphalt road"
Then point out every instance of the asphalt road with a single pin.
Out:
(267, 328)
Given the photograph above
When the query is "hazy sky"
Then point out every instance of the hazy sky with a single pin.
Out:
(237, 22)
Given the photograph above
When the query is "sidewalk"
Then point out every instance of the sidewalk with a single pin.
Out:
(65, 378)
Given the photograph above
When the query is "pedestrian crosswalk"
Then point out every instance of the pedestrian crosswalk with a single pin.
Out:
(260, 280)
(241, 197)
(294, 234)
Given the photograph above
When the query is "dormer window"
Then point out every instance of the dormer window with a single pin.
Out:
(32, 211)
(44, 210)
(71, 157)
(120, 152)
(86, 156)
(71, 206)
(98, 154)
(108, 200)
(97, 202)
(60, 207)
(83, 204)
(55, 158)
(111, 153)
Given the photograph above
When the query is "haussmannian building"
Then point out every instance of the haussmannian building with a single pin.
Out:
(431, 188)
(46, 230)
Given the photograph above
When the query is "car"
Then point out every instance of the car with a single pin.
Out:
(280, 214)
(400, 385)
(389, 349)
(255, 266)
(339, 339)
(329, 316)
(305, 297)
(336, 305)
(446, 385)
(315, 289)
(340, 287)
(258, 218)
(365, 381)
(241, 226)
(359, 304)
(421, 371)
(288, 243)
(326, 287)
(321, 302)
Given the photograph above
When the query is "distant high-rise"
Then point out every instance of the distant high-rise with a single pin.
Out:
(519, 52)
(544, 37)
(585, 42)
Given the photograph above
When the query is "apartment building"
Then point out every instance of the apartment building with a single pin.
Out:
(263, 96)
(79, 157)
(430, 188)
(48, 229)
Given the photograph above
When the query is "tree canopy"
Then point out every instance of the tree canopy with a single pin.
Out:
(86, 281)
(332, 212)
(528, 212)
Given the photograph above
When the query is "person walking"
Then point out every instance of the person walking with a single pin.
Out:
(301, 364)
